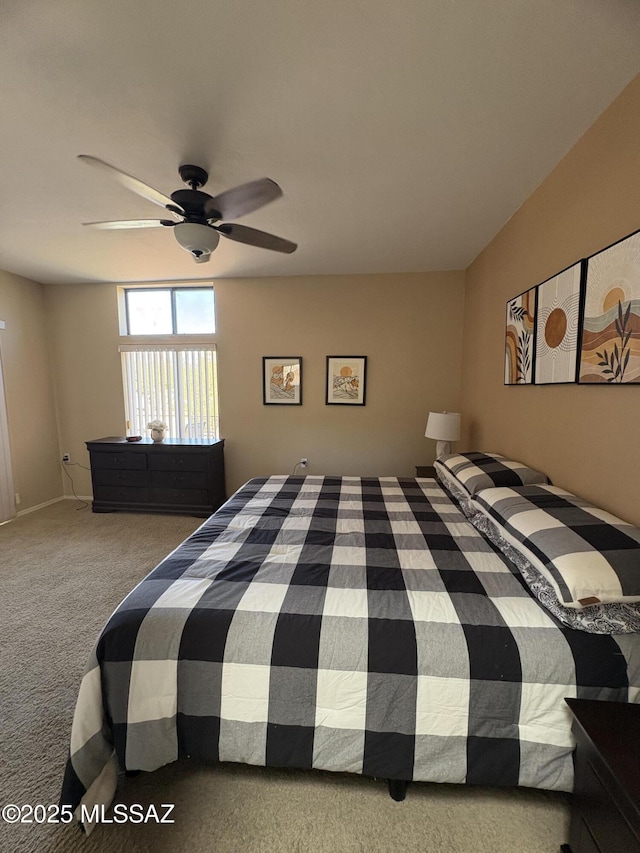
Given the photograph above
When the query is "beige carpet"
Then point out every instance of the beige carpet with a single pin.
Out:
(62, 572)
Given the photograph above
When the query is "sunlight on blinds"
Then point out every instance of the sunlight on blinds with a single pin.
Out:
(177, 385)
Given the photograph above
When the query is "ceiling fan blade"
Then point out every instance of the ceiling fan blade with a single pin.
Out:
(253, 237)
(129, 181)
(130, 223)
(234, 203)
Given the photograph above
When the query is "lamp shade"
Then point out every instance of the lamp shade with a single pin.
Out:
(443, 426)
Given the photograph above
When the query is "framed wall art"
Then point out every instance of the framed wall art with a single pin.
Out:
(519, 344)
(558, 325)
(282, 380)
(346, 380)
(610, 344)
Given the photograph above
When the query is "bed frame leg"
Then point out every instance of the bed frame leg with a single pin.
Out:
(397, 789)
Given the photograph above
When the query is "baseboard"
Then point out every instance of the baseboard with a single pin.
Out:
(86, 498)
(39, 506)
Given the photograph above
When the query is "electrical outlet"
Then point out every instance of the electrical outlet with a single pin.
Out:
(18, 498)
(66, 457)
(304, 462)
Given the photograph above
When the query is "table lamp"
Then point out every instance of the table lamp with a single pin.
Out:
(445, 428)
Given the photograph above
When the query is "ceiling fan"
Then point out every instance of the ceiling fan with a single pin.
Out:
(197, 216)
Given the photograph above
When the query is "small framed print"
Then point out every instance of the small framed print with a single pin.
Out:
(282, 380)
(346, 380)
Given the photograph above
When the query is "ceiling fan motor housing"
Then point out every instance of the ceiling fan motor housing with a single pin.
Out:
(193, 175)
(192, 202)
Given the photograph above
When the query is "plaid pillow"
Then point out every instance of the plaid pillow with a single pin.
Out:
(588, 555)
(476, 471)
(460, 495)
(618, 617)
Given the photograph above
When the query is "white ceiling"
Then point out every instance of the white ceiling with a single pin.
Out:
(404, 133)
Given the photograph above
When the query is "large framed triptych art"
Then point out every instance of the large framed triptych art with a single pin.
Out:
(582, 325)
(519, 351)
(610, 347)
(558, 326)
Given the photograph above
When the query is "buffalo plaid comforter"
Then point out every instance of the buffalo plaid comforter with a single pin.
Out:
(359, 625)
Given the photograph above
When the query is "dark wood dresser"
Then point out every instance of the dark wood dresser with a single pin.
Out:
(177, 475)
(605, 817)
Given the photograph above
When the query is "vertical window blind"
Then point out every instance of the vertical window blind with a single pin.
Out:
(176, 384)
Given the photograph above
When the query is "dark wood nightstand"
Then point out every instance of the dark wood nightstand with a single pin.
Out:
(605, 816)
(425, 471)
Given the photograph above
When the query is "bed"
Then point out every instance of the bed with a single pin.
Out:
(359, 625)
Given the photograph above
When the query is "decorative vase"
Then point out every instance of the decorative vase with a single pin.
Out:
(157, 434)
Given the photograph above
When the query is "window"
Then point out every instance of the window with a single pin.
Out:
(167, 379)
(170, 311)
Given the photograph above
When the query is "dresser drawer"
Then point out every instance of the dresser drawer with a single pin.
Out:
(119, 477)
(120, 494)
(179, 479)
(605, 813)
(137, 461)
(180, 497)
(163, 461)
(600, 815)
(581, 839)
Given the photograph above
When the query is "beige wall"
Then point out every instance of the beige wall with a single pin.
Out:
(33, 432)
(408, 325)
(587, 438)
(83, 334)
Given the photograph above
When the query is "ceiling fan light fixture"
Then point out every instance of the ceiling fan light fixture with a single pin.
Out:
(199, 240)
